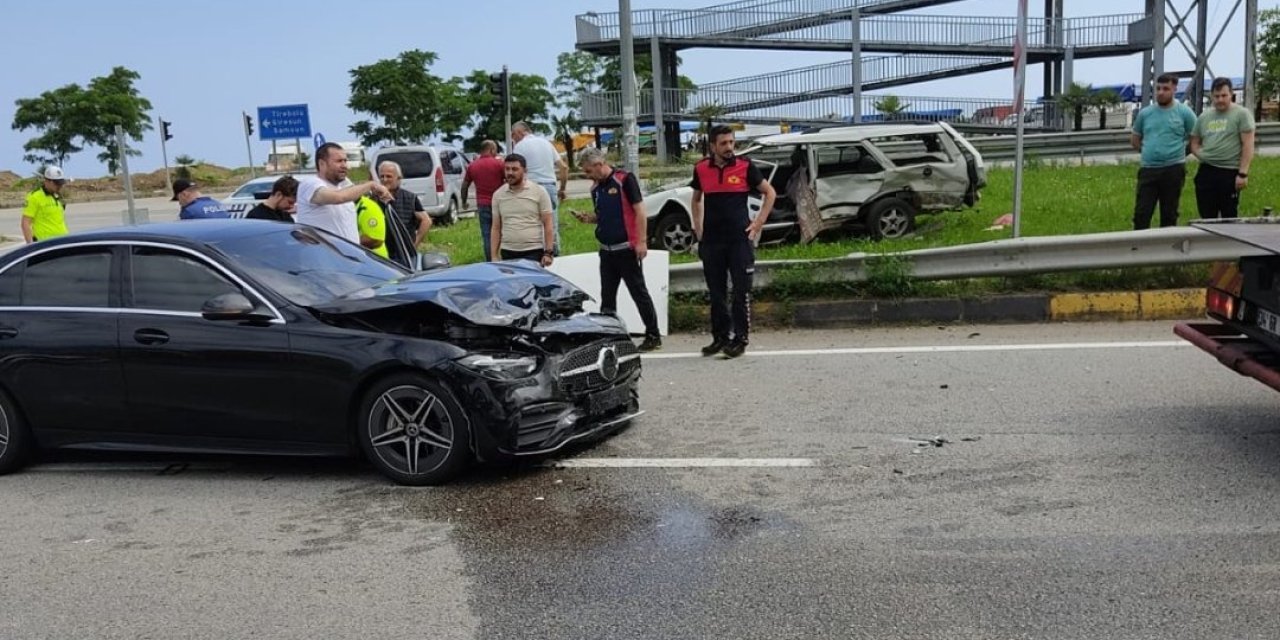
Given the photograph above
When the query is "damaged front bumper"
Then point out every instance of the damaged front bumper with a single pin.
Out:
(579, 396)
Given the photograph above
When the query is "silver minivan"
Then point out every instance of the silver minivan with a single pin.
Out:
(433, 172)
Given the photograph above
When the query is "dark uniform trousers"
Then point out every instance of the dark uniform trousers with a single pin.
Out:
(622, 265)
(733, 260)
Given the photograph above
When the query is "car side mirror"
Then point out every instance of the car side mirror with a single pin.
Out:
(229, 306)
(434, 261)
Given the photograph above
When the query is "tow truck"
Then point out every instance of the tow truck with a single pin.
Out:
(1243, 298)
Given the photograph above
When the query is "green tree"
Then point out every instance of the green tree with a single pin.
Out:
(1104, 101)
(72, 117)
(1075, 100)
(531, 101)
(566, 128)
(891, 106)
(1268, 71)
(577, 72)
(406, 102)
(184, 162)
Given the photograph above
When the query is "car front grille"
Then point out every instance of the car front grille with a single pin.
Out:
(580, 371)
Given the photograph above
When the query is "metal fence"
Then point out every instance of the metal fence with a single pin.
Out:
(1017, 256)
(953, 32)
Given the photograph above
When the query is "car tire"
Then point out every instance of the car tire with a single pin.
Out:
(674, 233)
(890, 218)
(450, 214)
(406, 415)
(15, 437)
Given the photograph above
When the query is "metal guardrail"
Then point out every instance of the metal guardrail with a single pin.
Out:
(1153, 247)
(1086, 143)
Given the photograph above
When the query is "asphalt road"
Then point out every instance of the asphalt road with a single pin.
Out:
(1096, 481)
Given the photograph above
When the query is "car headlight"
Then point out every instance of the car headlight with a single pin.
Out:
(500, 366)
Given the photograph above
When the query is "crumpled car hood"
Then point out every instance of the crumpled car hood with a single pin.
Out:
(518, 295)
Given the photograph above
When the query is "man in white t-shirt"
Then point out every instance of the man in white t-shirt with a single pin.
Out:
(327, 199)
(546, 167)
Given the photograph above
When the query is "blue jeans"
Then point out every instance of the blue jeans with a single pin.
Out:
(485, 213)
(555, 212)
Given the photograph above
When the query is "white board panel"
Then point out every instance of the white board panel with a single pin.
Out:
(583, 270)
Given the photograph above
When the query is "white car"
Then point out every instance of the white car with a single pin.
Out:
(876, 177)
(434, 173)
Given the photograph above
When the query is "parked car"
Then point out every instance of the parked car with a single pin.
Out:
(266, 337)
(873, 177)
(434, 173)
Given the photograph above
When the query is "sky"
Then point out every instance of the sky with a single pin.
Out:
(202, 64)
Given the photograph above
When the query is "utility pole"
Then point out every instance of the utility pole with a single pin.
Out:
(1251, 55)
(630, 132)
(1020, 86)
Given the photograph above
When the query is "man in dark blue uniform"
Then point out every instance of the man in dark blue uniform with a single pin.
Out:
(727, 236)
(621, 229)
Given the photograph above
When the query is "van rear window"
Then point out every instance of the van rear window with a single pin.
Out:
(414, 164)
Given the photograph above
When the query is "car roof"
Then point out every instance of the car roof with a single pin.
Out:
(849, 133)
(272, 178)
(186, 232)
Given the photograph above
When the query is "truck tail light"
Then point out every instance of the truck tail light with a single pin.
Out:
(1220, 303)
(439, 180)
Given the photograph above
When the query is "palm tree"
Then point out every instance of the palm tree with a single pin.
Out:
(707, 112)
(1075, 100)
(1103, 101)
(891, 106)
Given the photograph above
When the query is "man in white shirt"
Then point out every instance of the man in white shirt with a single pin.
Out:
(546, 168)
(327, 199)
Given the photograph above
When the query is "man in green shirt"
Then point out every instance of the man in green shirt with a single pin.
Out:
(43, 215)
(1223, 141)
(1160, 132)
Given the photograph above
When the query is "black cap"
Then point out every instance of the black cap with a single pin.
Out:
(180, 185)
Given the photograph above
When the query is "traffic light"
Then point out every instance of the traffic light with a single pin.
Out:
(248, 125)
(164, 129)
(499, 86)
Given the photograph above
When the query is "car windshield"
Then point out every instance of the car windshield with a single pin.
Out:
(306, 266)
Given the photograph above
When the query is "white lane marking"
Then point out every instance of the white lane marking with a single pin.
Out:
(965, 348)
(680, 463)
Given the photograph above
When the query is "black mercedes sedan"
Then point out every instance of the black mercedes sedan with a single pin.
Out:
(251, 336)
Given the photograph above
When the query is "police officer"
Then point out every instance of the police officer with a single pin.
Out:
(727, 236)
(621, 229)
(44, 214)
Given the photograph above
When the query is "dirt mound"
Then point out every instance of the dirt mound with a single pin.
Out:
(8, 179)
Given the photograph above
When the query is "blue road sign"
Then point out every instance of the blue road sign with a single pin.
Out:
(319, 140)
(284, 122)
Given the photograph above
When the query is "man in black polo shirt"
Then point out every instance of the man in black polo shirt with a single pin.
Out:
(727, 236)
(621, 230)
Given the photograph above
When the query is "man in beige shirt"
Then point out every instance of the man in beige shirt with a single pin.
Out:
(522, 217)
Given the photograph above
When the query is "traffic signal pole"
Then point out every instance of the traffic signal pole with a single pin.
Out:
(164, 151)
(506, 107)
(248, 131)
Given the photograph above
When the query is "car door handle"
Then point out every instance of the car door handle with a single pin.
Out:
(928, 171)
(150, 336)
(8, 332)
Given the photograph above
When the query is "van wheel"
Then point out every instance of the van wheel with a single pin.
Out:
(890, 218)
(450, 214)
(674, 233)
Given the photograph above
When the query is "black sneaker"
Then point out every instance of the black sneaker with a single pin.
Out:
(715, 347)
(735, 349)
(651, 343)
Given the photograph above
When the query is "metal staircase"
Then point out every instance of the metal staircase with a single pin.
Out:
(928, 47)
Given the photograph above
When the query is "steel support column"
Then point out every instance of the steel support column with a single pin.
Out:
(659, 131)
(1251, 98)
(855, 46)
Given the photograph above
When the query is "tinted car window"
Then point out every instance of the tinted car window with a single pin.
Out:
(11, 285)
(173, 281)
(250, 190)
(79, 278)
(452, 163)
(414, 164)
(306, 266)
